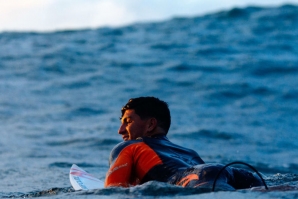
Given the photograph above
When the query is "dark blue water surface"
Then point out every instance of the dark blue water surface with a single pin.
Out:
(230, 79)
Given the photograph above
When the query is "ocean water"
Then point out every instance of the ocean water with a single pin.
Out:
(230, 79)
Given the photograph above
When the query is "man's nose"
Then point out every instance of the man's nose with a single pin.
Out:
(122, 129)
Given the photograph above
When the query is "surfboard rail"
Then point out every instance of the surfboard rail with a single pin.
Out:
(81, 180)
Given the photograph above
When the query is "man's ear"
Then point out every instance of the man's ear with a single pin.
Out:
(152, 124)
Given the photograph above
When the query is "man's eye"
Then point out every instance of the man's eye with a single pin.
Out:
(128, 121)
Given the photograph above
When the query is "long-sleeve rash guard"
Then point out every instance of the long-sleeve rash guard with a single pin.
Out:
(138, 161)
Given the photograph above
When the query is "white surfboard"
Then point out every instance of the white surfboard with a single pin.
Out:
(81, 180)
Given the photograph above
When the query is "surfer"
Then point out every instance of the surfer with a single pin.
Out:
(148, 155)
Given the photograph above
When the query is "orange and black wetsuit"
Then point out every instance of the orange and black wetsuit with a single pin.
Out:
(138, 161)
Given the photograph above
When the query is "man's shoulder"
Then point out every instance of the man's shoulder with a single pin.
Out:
(119, 147)
(122, 145)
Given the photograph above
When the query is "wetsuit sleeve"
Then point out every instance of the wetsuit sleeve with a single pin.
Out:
(120, 169)
(130, 162)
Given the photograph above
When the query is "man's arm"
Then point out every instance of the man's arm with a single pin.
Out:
(119, 173)
(130, 162)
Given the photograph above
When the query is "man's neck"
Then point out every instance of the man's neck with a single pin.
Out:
(156, 132)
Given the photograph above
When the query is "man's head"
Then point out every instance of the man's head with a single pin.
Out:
(144, 116)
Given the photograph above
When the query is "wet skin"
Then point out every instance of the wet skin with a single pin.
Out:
(132, 126)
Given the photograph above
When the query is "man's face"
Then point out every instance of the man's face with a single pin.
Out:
(132, 126)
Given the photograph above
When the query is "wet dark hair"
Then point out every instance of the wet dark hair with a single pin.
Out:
(147, 107)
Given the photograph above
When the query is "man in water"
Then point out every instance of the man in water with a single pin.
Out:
(147, 154)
